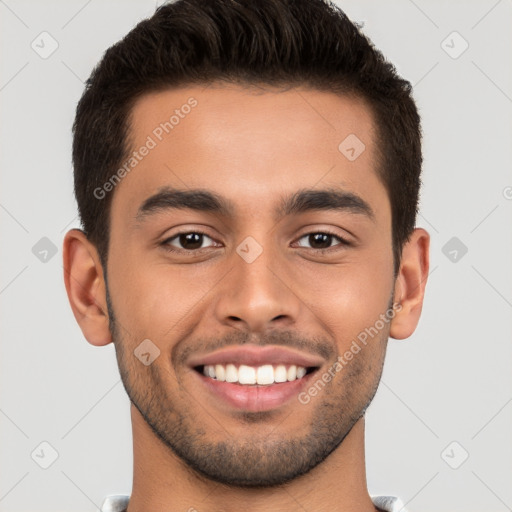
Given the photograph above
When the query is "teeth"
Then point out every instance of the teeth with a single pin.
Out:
(265, 374)
(220, 372)
(231, 373)
(280, 373)
(249, 375)
(246, 374)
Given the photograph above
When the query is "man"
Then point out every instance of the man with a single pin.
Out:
(247, 175)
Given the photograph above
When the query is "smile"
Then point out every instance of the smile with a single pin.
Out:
(264, 375)
(253, 378)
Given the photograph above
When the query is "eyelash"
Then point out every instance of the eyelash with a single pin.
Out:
(193, 252)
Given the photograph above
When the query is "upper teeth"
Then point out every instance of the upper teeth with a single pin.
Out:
(266, 374)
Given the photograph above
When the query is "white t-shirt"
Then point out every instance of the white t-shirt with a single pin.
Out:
(119, 503)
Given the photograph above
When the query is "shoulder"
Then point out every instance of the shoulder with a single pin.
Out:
(119, 503)
(388, 503)
(115, 503)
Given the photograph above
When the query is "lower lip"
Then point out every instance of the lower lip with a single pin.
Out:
(255, 398)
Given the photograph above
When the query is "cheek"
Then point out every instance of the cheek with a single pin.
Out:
(156, 301)
(350, 298)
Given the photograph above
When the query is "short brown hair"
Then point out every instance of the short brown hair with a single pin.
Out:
(274, 42)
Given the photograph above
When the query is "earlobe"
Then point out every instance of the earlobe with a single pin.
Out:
(85, 287)
(410, 284)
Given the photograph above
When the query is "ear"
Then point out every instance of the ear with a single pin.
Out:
(85, 286)
(410, 284)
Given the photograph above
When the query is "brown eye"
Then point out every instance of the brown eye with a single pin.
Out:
(322, 240)
(187, 241)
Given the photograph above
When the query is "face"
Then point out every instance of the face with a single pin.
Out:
(247, 244)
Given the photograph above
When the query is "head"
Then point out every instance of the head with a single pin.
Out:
(273, 120)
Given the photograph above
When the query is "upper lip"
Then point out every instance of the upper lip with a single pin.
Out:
(255, 355)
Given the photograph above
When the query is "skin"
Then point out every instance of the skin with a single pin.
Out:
(252, 146)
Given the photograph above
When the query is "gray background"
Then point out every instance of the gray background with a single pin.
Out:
(445, 393)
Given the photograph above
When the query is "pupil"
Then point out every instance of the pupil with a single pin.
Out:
(188, 242)
(320, 238)
(194, 240)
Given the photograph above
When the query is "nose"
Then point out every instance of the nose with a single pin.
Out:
(258, 295)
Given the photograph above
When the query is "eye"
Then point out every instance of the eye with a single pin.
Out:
(192, 241)
(188, 241)
(322, 240)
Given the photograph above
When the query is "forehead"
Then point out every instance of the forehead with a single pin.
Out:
(245, 142)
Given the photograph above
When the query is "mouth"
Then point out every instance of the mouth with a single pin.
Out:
(264, 375)
(253, 378)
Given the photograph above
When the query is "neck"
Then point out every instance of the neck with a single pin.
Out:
(163, 482)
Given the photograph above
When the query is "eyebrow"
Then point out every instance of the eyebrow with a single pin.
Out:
(301, 201)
